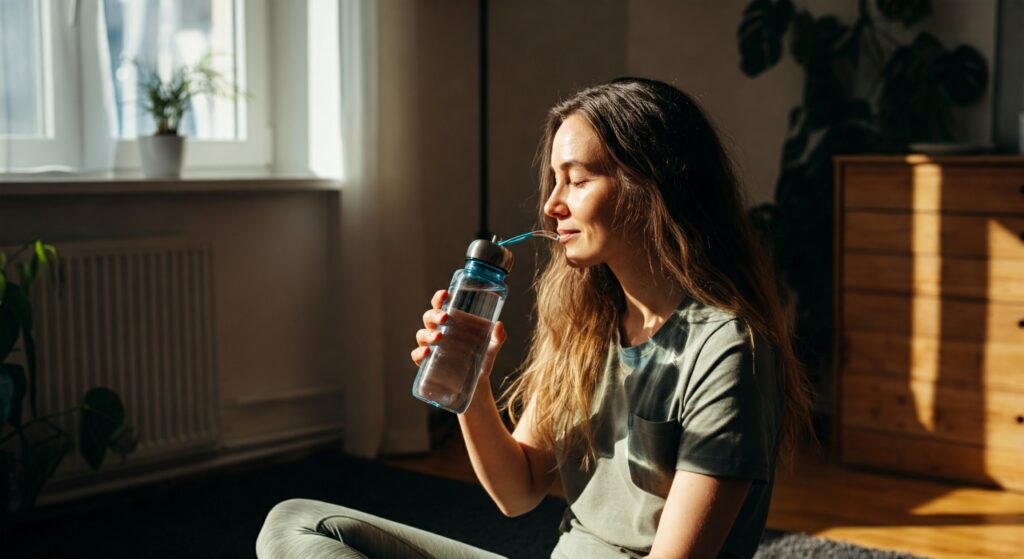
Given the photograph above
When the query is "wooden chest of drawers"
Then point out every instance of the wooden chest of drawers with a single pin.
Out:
(930, 316)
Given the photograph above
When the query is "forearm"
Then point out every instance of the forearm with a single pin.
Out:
(499, 460)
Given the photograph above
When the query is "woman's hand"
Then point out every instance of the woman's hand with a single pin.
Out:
(430, 335)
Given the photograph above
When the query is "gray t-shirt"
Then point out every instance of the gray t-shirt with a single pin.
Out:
(698, 396)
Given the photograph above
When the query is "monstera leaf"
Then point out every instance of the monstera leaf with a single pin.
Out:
(760, 34)
(102, 416)
(922, 82)
(815, 41)
(907, 12)
(963, 73)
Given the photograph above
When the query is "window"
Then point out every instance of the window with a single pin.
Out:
(22, 93)
(49, 99)
(163, 35)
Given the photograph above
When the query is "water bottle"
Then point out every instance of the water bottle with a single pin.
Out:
(448, 376)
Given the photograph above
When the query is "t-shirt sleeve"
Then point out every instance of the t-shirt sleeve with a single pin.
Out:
(725, 430)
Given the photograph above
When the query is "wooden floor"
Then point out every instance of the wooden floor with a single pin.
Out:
(921, 517)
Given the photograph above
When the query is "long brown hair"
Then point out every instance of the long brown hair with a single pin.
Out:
(677, 187)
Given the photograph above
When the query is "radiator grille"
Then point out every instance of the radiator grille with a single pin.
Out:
(135, 316)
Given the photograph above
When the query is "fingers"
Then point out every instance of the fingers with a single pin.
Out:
(431, 320)
(438, 298)
(426, 336)
(434, 318)
(419, 354)
(497, 340)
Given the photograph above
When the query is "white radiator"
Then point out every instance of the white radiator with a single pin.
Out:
(135, 315)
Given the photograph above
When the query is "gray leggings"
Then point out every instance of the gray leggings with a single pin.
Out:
(308, 529)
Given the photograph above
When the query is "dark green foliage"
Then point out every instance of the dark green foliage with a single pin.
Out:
(760, 34)
(907, 12)
(911, 99)
(33, 447)
(102, 415)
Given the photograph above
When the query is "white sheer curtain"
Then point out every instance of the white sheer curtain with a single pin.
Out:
(78, 128)
(362, 292)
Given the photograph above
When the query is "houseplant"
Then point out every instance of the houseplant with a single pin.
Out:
(167, 102)
(32, 445)
(865, 91)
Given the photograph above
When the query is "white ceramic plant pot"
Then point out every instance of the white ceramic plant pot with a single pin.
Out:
(161, 155)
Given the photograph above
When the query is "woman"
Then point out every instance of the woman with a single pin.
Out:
(661, 384)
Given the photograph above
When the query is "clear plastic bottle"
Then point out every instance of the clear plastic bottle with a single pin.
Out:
(448, 376)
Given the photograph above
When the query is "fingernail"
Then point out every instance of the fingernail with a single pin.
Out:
(443, 319)
(435, 336)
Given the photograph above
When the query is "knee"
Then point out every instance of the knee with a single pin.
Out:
(287, 520)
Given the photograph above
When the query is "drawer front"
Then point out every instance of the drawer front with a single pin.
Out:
(979, 416)
(914, 455)
(933, 233)
(998, 280)
(995, 189)
(968, 365)
(932, 317)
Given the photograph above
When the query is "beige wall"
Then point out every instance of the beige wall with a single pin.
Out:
(273, 294)
(693, 45)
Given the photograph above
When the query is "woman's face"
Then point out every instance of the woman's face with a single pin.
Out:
(583, 199)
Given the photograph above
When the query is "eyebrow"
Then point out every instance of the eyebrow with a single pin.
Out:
(574, 163)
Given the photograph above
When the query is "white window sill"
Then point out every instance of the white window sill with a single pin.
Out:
(131, 183)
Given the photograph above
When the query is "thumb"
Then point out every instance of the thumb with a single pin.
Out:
(498, 336)
(497, 340)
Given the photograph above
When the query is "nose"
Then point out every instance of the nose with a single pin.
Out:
(555, 207)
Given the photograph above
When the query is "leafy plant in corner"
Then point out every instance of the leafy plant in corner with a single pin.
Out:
(864, 92)
(33, 444)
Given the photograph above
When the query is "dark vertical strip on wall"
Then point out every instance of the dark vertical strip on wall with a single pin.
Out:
(484, 230)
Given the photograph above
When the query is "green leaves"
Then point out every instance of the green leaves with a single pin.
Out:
(13, 376)
(41, 443)
(907, 12)
(168, 101)
(815, 41)
(963, 73)
(102, 416)
(922, 83)
(760, 34)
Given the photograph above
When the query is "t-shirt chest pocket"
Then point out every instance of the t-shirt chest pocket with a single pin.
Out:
(652, 453)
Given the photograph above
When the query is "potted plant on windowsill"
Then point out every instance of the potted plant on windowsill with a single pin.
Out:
(167, 102)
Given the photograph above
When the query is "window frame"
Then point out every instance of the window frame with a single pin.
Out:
(257, 147)
(60, 146)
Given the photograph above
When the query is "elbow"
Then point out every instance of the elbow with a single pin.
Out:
(512, 510)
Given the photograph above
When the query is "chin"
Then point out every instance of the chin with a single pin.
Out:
(579, 261)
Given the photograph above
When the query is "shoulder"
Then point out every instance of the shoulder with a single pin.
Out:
(710, 328)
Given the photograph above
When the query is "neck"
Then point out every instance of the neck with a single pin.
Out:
(650, 298)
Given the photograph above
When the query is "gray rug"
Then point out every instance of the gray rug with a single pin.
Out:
(785, 545)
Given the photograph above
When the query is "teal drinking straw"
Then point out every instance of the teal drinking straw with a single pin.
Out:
(522, 237)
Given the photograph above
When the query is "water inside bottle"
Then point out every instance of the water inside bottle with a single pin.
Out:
(449, 376)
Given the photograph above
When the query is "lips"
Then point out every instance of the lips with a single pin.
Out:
(565, 235)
